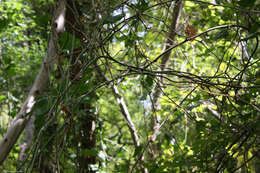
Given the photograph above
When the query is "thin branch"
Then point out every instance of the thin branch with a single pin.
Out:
(123, 108)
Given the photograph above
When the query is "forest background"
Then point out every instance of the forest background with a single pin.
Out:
(129, 86)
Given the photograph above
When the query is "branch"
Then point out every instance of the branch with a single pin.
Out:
(121, 102)
(126, 114)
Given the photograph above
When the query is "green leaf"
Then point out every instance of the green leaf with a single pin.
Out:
(7, 61)
(82, 87)
(254, 28)
(3, 24)
(89, 152)
(209, 50)
(43, 19)
(85, 100)
(147, 84)
(41, 106)
(68, 41)
(40, 120)
(10, 71)
(2, 98)
(138, 149)
(129, 43)
(113, 19)
(144, 5)
(246, 3)
(149, 81)
(200, 125)
(122, 38)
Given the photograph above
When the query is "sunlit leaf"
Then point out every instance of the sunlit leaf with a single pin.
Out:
(2, 97)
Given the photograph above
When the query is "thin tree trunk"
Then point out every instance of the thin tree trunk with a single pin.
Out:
(121, 102)
(123, 108)
(18, 125)
(164, 65)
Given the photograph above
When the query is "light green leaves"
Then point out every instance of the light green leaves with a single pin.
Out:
(2, 97)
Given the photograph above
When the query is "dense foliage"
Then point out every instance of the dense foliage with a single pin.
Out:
(138, 86)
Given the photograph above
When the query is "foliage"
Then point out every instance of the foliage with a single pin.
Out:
(209, 102)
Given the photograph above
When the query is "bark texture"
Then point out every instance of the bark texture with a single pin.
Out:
(18, 124)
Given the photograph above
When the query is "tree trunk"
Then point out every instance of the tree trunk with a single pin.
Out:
(24, 115)
(155, 124)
